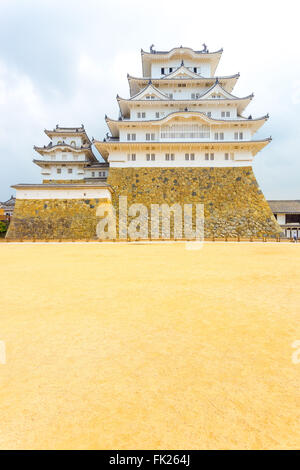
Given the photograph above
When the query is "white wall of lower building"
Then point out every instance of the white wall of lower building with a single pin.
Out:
(281, 219)
(48, 193)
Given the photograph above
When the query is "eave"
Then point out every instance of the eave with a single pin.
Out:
(180, 53)
(104, 148)
(137, 83)
(65, 148)
(60, 186)
(115, 125)
(68, 132)
(42, 163)
(242, 103)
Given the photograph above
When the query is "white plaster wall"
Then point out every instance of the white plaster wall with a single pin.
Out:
(96, 173)
(141, 133)
(67, 140)
(119, 159)
(281, 219)
(203, 67)
(58, 155)
(51, 172)
(150, 110)
(86, 193)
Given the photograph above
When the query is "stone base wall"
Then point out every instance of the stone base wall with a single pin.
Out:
(55, 219)
(233, 203)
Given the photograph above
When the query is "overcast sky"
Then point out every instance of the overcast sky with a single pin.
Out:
(64, 61)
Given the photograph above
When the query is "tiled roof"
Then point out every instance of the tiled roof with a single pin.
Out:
(285, 207)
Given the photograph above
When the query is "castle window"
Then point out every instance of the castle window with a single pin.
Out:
(131, 136)
(148, 157)
(131, 157)
(212, 156)
(170, 69)
(195, 69)
(152, 156)
(187, 156)
(70, 170)
(208, 113)
(162, 70)
(93, 173)
(185, 131)
(238, 136)
(227, 113)
(157, 115)
(226, 156)
(172, 156)
(167, 156)
(150, 136)
(207, 156)
(58, 171)
(219, 135)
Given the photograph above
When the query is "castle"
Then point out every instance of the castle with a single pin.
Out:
(181, 137)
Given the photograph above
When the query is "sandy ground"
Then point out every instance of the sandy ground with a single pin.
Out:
(149, 346)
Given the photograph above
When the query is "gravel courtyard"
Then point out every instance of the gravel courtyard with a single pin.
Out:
(128, 346)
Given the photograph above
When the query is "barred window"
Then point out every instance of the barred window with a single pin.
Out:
(185, 131)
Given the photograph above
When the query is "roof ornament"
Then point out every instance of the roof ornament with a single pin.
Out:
(185, 109)
(182, 63)
(150, 82)
(151, 49)
(56, 126)
(204, 48)
(250, 117)
(217, 80)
